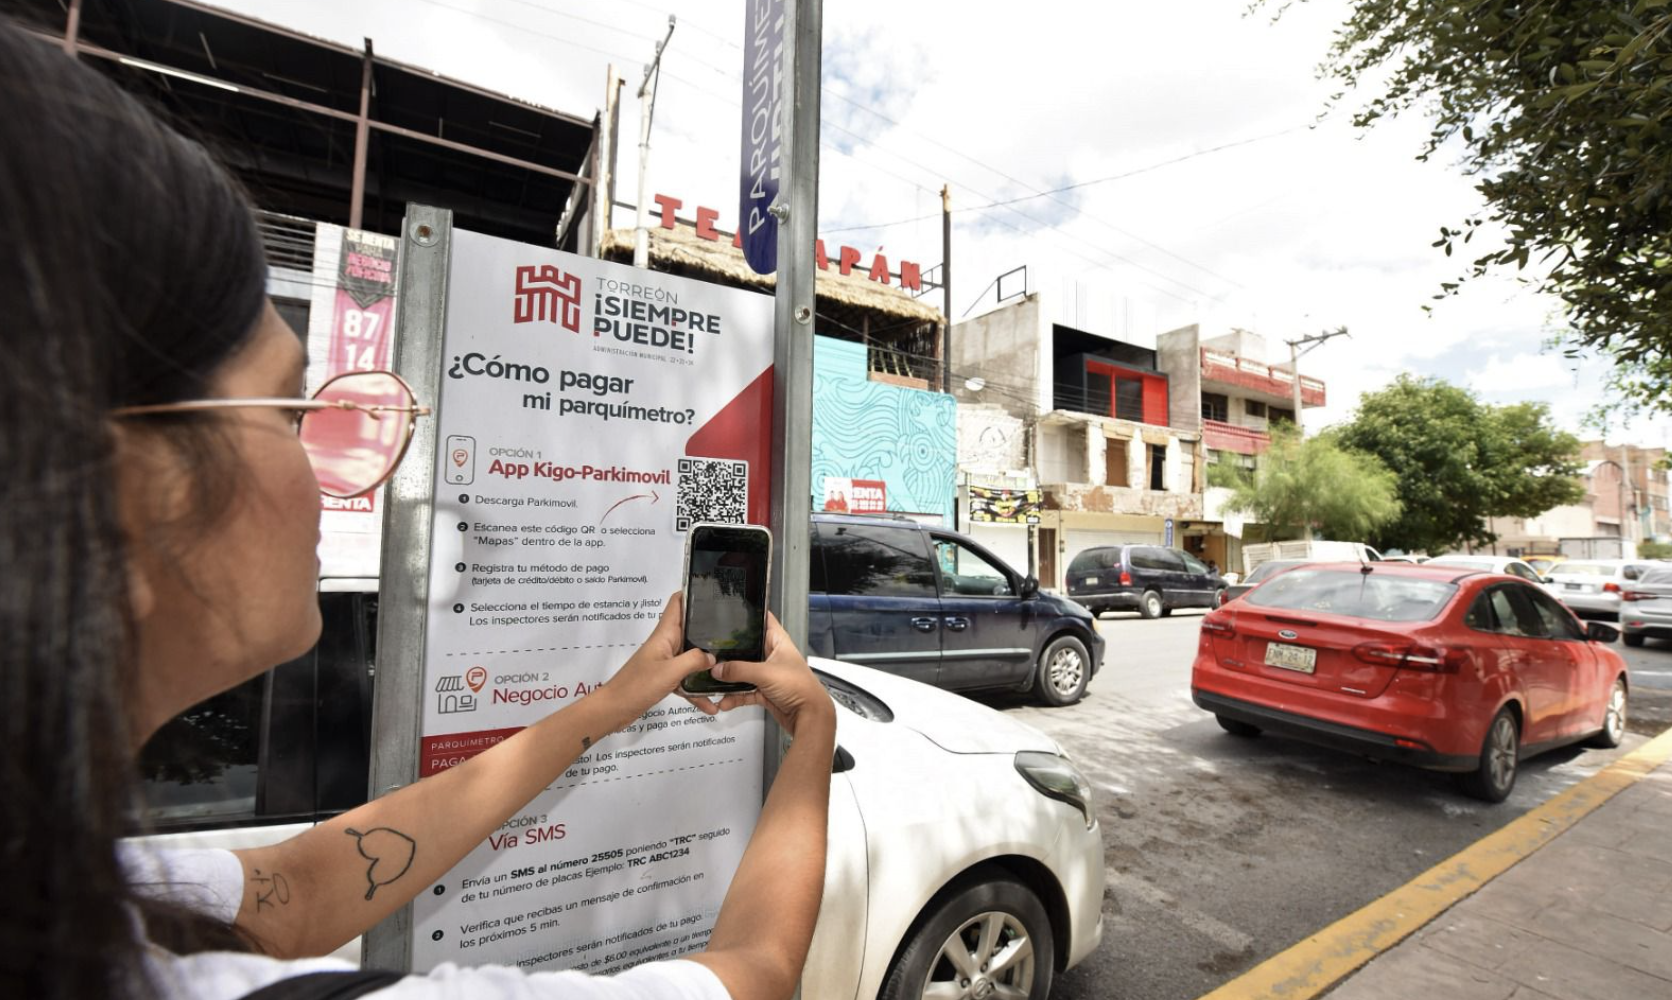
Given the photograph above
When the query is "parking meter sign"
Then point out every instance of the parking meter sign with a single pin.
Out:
(763, 131)
(576, 399)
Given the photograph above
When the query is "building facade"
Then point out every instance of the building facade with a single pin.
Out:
(884, 433)
(1625, 504)
(1223, 386)
(1085, 419)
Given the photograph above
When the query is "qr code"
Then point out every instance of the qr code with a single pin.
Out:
(711, 489)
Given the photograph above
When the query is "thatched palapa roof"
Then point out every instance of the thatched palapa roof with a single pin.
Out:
(682, 251)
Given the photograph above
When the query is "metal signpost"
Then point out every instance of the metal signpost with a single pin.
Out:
(792, 356)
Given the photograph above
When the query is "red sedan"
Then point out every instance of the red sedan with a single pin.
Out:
(1444, 668)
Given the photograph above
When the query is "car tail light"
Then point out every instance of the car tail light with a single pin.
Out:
(1218, 626)
(1412, 656)
(1125, 578)
(1635, 595)
(1436, 659)
(1381, 654)
(1611, 587)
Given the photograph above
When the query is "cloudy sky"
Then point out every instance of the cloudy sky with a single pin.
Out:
(1203, 186)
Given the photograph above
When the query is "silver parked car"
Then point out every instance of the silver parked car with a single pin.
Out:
(1646, 607)
(1594, 586)
(1488, 564)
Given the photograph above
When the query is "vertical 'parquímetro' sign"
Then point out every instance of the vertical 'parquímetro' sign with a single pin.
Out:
(763, 131)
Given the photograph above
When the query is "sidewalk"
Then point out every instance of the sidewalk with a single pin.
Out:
(1588, 916)
(1570, 901)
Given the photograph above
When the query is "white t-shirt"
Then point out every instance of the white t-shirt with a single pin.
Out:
(212, 882)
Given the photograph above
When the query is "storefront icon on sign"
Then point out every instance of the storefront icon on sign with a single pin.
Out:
(451, 697)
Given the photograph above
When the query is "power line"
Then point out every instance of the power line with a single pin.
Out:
(525, 29)
(1051, 194)
(729, 75)
(1101, 180)
(633, 60)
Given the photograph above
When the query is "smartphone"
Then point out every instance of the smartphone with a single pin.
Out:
(726, 567)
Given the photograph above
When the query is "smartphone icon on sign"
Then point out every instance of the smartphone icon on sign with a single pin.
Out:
(726, 567)
(460, 460)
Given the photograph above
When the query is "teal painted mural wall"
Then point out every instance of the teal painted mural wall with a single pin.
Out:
(908, 438)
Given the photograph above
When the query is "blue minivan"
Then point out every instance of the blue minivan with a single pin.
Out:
(933, 605)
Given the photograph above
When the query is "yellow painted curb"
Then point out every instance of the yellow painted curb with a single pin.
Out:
(1314, 965)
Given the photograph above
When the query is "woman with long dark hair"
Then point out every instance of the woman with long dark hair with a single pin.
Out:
(161, 517)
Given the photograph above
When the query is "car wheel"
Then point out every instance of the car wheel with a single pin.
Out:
(1219, 597)
(1613, 718)
(990, 940)
(1236, 727)
(1632, 638)
(1064, 671)
(1150, 605)
(1500, 757)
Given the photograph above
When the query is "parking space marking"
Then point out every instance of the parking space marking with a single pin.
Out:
(1222, 934)
(1321, 961)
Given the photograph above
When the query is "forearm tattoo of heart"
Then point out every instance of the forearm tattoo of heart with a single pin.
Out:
(389, 851)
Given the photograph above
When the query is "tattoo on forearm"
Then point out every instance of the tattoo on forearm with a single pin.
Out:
(270, 890)
(586, 743)
(390, 853)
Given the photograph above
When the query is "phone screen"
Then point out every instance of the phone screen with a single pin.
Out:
(726, 591)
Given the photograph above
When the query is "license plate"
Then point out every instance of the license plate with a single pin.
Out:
(1575, 586)
(1280, 654)
(1091, 581)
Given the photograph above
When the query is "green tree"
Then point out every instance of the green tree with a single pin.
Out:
(1460, 461)
(1312, 483)
(1564, 113)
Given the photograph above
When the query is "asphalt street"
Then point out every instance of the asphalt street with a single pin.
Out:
(1223, 851)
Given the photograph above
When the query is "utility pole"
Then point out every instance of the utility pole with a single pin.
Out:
(647, 109)
(1310, 341)
(946, 286)
(1628, 500)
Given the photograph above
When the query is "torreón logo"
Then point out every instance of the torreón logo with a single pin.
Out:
(546, 294)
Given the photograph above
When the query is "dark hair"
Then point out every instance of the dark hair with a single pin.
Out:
(132, 271)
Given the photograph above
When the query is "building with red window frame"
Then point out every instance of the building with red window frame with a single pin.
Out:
(1086, 418)
(1224, 385)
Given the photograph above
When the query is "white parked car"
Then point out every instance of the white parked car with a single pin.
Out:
(1593, 586)
(975, 840)
(1488, 564)
(1646, 607)
(960, 838)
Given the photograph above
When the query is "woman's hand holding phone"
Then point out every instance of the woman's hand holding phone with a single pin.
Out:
(655, 670)
(783, 682)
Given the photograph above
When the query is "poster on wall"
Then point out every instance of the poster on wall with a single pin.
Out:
(988, 505)
(855, 496)
(589, 414)
(350, 328)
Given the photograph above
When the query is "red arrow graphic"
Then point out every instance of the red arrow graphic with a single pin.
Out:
(653, 495)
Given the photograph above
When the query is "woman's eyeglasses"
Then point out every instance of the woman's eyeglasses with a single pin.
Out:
(351, 429)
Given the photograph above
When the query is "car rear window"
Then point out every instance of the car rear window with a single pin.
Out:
(1268, 569)
(1585, 569)
(1658, 575)
(1092, 559)
(1381, 596)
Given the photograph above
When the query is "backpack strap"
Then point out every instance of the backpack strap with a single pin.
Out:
(326, 985)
